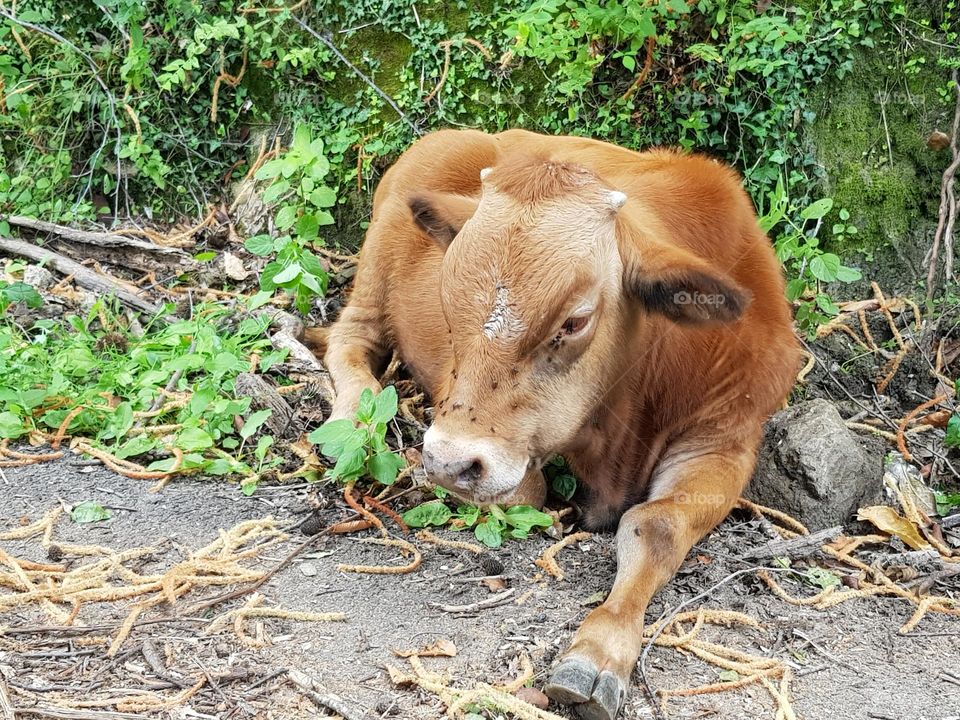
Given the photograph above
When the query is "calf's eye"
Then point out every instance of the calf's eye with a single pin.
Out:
(573, 325)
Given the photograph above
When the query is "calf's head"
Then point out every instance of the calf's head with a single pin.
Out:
(546, 284)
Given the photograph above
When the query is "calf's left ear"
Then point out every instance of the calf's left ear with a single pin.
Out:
(441, 215)
(684, 288)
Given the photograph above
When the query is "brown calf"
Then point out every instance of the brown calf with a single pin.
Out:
(558, 295)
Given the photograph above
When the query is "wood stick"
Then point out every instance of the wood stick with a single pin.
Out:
(6, 709)
(62, 713)
(489, 602)
(800, 546)
(102, 239)
(83, 276)
(328, 701)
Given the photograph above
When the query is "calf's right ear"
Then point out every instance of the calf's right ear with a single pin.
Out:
(441, 215)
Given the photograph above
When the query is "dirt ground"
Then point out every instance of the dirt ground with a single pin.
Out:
(849, 662)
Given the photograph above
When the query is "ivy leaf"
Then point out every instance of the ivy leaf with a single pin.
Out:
(191, 439)
(332, 435)
(349, 464)
(254, 421)
(564, 485)
(825, 267)
(525, 517)
(11, 426)
(384, 406)
(431, 513)
(89, 512)
(817, 210)
(384, 467)
(952, 438)
(490, 533)
(288, 274)
(286, 217)
(21, 292)
(366, 406)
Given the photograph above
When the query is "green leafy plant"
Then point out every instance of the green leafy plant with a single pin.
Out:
(360, 445)
(301, 200)
(490, 526)
(89, 512)
(561, 479)
(952, 438)
(808, 265)
(104, 379)
(18, 292)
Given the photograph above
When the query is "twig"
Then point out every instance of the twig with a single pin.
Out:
(800, 546)
(83, 276)
(490, 602)
(902, 427)
(948, 205)
(102, 239)
(62, 713)
(6, 709)
(168, 388)
(359, 73)
(651, 43)
(820, 649)
(329, 701)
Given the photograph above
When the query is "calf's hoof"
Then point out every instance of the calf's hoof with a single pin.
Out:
(594, 695)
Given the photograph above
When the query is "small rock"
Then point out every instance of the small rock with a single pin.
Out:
(938, 140)
(812, 467)
(533, 697)
(38, 277)
(233, 267)
(308, 569)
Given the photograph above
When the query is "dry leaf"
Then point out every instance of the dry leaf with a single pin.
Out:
(439, 648)
(890, 521)
(495, 584)
(532, 696)
(233, 267)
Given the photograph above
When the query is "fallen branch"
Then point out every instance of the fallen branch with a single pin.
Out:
(308, 687)
(486, 603)
(83, 276)
(88, 237)
(947, 213)
(798, 547)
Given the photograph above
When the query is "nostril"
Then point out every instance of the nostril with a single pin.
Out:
(471, 474)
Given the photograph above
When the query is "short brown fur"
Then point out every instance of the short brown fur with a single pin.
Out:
(659, 411)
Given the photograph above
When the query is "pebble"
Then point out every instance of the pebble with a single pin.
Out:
(308, 569)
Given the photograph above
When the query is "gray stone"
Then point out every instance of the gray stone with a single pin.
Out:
(38, 277)
(814, 468)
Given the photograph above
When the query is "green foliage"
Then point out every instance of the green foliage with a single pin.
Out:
(18, 292)
(561, 479)
(798, 248)
(952, 438)
(185, 91)
(946, 502)
(360, 445)
(300, 198)
(114, 374)
(491, 526)
(89, 512)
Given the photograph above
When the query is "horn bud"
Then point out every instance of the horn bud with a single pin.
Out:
(616, 200)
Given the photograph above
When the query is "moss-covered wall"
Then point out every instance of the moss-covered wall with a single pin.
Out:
(871, 138)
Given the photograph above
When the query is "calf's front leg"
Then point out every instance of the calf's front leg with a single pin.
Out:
(355, 345)
(688, 498)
